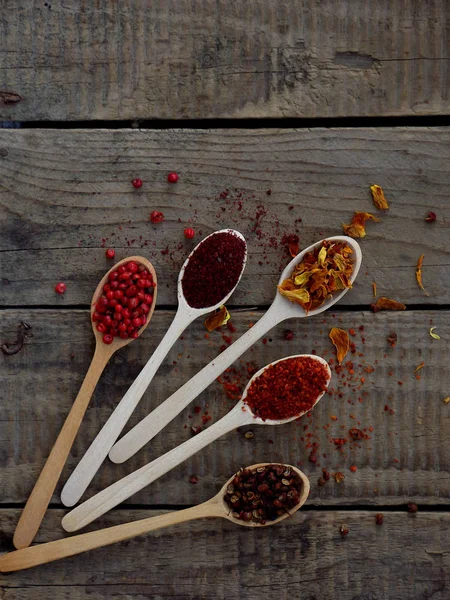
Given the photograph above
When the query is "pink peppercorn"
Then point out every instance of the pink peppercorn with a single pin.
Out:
(189, 233)
(137, 183)
(156, 216)
(60, 288)
(172, 177)
(110, 253)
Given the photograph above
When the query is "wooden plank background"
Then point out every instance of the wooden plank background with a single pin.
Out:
(405, 459)
(294, 58)
(65, 194)
(310, 560)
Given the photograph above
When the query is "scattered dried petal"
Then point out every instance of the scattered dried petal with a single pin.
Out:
(341, 341)
(343, 530)
(220, 317)
(419, 274)
(378, 197)
(447, 400)
(339, 476)
(384, 303)
(10, 97)
(412, 508)
(379, 519)
(431, 218)
(435, 336)
(374, 289)
(357, 227)
(421, 366)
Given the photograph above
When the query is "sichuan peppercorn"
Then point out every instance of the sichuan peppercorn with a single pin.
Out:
(263, 494)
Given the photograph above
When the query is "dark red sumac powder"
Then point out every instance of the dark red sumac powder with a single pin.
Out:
(213, 270)
(287, 388)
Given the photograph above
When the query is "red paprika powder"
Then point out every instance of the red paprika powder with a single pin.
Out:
(213, 269)
(287, 388)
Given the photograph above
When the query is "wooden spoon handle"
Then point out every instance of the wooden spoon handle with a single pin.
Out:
(119, 491)
(37, 503)
(44, 553)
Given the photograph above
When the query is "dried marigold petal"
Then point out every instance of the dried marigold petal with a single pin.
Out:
(340, 339)
(421, 366)
(374, 289)
(323, 271)
(435, 336)
(294, 249)
(447, 400)
(300, 296)
(384, 303)
(357, 227)
(378, 197)
(338, 476)
(419, 274)
(218, 318)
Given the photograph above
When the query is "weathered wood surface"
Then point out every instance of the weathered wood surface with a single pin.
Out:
(64, 194)
(298, 58)
(406, 458)
(408, 557)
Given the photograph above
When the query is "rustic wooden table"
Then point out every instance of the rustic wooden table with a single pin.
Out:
(87, 81)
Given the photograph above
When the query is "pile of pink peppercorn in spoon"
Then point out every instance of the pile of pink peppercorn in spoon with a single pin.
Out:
(121, 308)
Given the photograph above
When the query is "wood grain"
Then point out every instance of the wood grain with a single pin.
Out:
(302, 58)
(65, 194)
(303, 557)
(41, 381)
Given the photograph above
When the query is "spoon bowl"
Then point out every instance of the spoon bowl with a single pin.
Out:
(243, 407)
(117, 341)
(215, 507)
(37, 503)
(93, 458)
(182, 302)
(304, 492)
(280, 310)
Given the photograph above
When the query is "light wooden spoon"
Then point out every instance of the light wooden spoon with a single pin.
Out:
(119, 491)
(216, 507)
(280, 310)
(94, 456)
(37, 503)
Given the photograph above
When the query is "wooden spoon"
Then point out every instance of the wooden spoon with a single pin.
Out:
(37, 503)
(215, 507)
(94, 456)
(280, 310)
(119, 491)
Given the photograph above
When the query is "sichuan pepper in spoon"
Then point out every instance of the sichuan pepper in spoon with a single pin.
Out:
(277, 394)
(235, 502)
(122, 306)
(207, 279)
